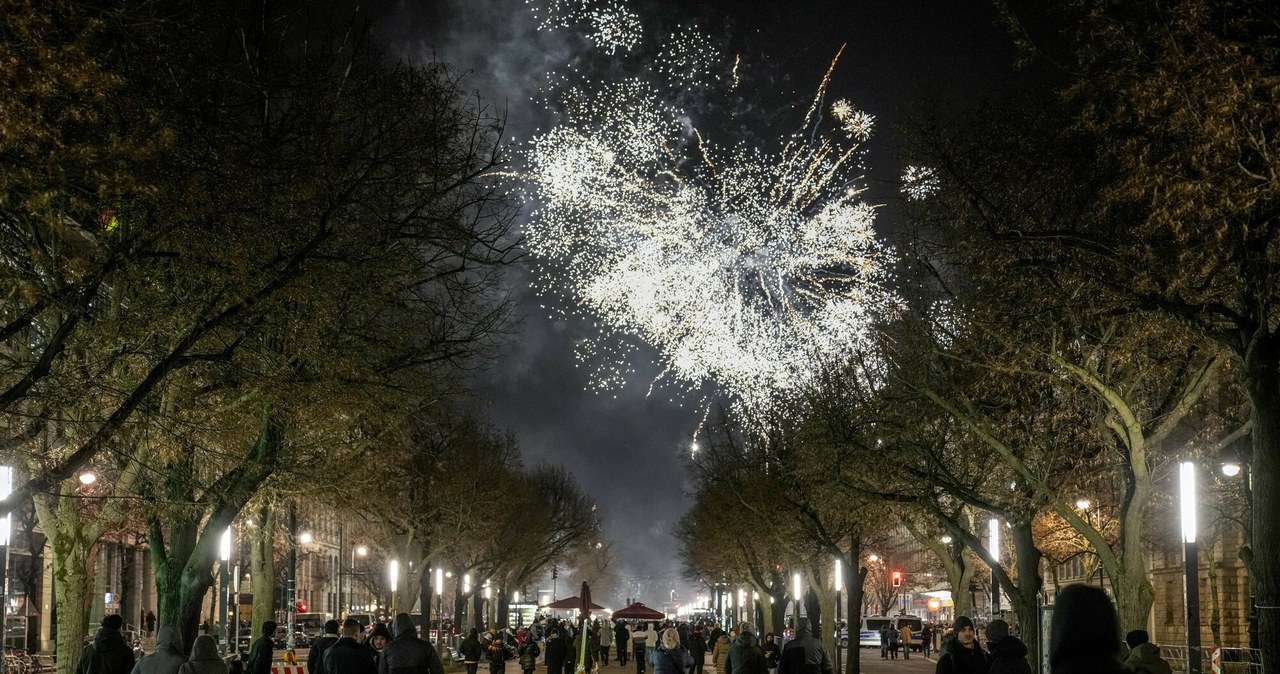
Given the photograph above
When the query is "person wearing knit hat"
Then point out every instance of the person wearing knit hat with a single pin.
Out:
(1084, 636)
(1007, 653)
(960, 654)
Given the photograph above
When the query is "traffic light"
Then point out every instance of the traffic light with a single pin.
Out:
(300, 606)
(897, 579)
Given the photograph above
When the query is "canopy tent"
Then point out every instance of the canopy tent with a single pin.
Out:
(638, 611)
(570, 603)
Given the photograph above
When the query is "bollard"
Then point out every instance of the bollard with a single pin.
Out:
(1216, 662)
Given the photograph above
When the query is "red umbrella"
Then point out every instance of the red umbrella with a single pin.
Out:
(638, 611)
(570, 603)
(584, 608)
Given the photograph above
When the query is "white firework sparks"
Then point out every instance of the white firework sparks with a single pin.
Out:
(745, 268)
(919, 182)
(607, 23)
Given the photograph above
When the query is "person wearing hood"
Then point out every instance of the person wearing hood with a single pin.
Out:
(669, 656)
(698, 650)
(204, 657)
(621, 636)
(720, 650)
(1084, 637)
(347, 655)
(263, 650)
(408, 653)
(497, 652)
(804, 654)
(1008, 655)
(593, 647)
(1144, 656)
(528, 653)
(557, 651)
(745, 654)
(315, 655)
(772, 653)
(108, 654)
(168, 656)
(378, 639)
(960, 654)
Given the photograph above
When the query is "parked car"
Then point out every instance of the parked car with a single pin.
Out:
(869, 634)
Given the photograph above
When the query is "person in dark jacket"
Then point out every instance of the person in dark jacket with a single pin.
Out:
(378, 639)
(668, 656)
(497, 652)
(407, 653)
(745, 654)
(622, 641)
(108, 654)
(593, 647)
(204, 658)
(315, 656)
(960, 653)
(557, 651)
(772, 653)
(1144, 656)
(471, 651)
(347, 655)
(1084, 637)
(804, 654)
(1008, 655)
(167, 657)
(263, 650)
(528, 655)
(698, 650)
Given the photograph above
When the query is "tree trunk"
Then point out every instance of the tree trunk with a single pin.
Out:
(777, 613)
(73, 576)
(1262, 383)
(503, 608)
(263, 568)
(853, 610)
(1026, 596)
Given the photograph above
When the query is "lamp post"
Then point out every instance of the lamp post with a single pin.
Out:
(993, 545)
(224, 585)
(393, 574)
(440, 605)
(6, 526)
(1190, 563)
(799, 602)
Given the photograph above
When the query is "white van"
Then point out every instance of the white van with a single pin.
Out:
(869, 633)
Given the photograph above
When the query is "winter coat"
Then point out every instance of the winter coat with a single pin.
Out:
(315, 655)
(746, 656)
(805, 654)
(605, 636)
(620, 635)
(557, 651)
(1084, 636)
(204, 658)
(697, 646)
(529, 652)
(1145, 659)
(720, 652)
(904, 635)
(674, 661)
(260, 656)
(108, 654)
(956, 659)
(471, 649)
(497, 650)
(168, 656)
(593, 650)
(1009, 656)
(348, 656)
(772, 653)
(407, 653)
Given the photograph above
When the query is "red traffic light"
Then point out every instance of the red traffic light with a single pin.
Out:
(301, 606)
(897, 579)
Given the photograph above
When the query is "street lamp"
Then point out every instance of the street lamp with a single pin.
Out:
(6, 526)
(393, 574)
(440, 604)
(993, 545)
(799, 604)
(1191, 563)
(224, 585)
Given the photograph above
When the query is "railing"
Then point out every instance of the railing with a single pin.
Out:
(1233, 660)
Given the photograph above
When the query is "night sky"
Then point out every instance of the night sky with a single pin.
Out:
(626, 447)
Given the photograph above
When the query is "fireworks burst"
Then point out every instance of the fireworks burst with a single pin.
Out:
(919, 182)
(746, 268)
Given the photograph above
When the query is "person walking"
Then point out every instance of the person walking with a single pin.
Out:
(1008, 655)
(905, 638)
(960, 654)
(1144, 656)
(168, 655)
(108, 654)
(1084, 636)
(407, 653)
(588, 655)
(497, 652)
(745, 654)
(884, 641)
(772, 653)
(639, 639)
(150, 623)
(623, 639)
(893, 641)
(471, 651)
(315, 654)
(698, 650)
(604, 634)
(557, 651)
(347, 655)
(720, 650)
(528, 654)
(669, 656)
(204, 658)
(262, 651)
(804, 654)
(926, 639)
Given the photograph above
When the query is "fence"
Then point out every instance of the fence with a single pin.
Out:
(1231, 660)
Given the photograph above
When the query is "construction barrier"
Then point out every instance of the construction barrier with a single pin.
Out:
(288, 669)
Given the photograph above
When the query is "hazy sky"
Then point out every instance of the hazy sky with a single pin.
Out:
(626, 447)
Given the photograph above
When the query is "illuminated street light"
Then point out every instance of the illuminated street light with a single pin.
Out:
(1083, 504)
(946, 540)
(1191, 563)
(305, 538)
(87, 478)
(993, 546)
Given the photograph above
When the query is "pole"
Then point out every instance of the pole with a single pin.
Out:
(291, 581)
(224, 588)
(342, 546)
(1190, 564)
(235, 610)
